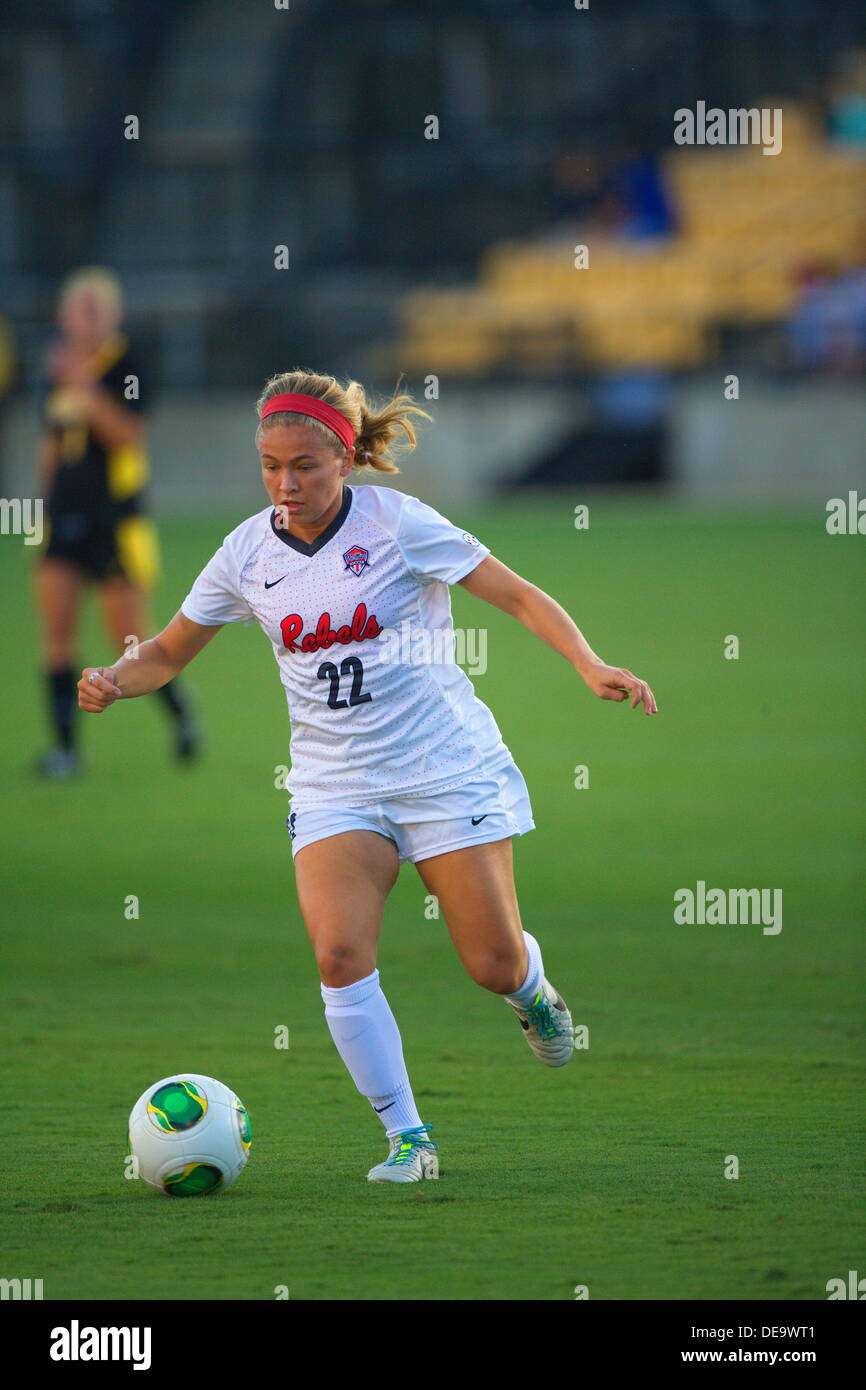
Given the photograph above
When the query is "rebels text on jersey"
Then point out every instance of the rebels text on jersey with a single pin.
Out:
(368, 720)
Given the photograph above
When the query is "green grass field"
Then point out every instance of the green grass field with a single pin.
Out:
(705, 1041)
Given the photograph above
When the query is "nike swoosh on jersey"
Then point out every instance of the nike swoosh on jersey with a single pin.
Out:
(480, 818)
(274, 581)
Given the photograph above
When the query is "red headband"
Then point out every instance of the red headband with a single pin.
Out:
(311, 405)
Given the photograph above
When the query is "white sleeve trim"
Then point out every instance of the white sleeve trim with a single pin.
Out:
(474, 561)
(202, 622)
(459, 570)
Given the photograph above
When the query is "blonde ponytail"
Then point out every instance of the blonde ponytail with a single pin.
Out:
(378, 427)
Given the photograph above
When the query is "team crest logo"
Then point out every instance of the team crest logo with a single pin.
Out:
(357, 558)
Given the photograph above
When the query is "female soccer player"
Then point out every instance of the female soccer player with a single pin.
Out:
(391, 761)
(93, 470)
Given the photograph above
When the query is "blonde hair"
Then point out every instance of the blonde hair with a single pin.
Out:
(377, 427)
(102, 281)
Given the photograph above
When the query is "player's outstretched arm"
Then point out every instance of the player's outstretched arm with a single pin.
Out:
(153, 665)
(543, 616)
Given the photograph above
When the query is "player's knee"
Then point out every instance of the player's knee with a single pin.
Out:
(501, 972)
(341, 965)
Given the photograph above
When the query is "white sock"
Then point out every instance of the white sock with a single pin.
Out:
(368, 1040)
(534, 975)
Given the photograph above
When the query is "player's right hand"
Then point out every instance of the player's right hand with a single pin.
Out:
(96, 695)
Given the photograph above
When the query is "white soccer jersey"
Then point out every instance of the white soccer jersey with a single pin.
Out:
(364, 726)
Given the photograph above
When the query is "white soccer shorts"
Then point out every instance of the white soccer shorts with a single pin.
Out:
(422, 826)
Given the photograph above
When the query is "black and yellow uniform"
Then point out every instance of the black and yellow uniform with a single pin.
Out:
(96, 520)
(96, 506)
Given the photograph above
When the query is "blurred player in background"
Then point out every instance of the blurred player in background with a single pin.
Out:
(93, 470)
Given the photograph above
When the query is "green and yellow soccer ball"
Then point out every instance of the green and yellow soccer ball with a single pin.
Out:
(189, 1135)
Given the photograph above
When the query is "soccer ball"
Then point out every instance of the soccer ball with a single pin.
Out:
(189, 1134)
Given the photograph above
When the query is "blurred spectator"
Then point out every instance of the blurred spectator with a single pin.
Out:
(581, 195)
(847, 114)
(631, 400)
(593, 196)
(576, 183)
(827, 328)
(648, 206)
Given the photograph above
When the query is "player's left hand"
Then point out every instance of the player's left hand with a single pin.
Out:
(617, 683)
